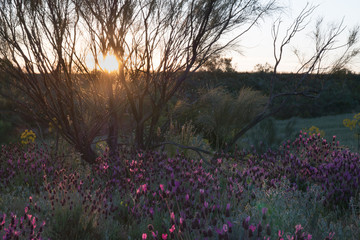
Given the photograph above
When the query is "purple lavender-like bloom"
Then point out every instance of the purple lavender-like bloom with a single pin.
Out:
(252, 229)
(227, 210)
(264, 212)
(245, 223)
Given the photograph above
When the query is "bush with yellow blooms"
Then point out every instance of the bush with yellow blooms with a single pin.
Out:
(314, 130)
(353, 123)
(28, 136)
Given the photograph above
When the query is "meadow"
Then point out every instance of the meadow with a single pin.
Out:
(125, 120)
(305, 188)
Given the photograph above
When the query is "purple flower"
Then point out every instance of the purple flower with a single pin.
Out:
(227, 210)
(245, 223)
(225, 228)
(252, 229)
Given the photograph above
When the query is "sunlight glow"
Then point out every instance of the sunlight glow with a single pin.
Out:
(108, 63)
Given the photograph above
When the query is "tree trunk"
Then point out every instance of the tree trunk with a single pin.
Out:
(112, 140)
(151, 134)
(87, 154)
(139, 135)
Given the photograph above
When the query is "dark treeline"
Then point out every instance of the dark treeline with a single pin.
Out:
(337, 93)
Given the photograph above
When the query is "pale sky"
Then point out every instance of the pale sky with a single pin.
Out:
(256, 45)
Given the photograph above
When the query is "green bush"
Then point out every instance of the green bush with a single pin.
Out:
(218, 114)
(72, 225)
(6, 131)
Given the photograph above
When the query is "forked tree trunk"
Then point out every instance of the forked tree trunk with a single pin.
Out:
(87, 154)
(112, 140)
(139, 135)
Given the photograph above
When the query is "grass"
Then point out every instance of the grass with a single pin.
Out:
(272, 132)
(332, 125)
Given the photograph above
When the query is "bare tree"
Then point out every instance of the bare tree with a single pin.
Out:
(326, 41)
(160, 42)
(42, 51)
(157, 42)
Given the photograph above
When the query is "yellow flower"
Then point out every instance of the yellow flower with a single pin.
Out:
(353, 123)
(27, 137)
(357, 116)
(314, 130)
(101, 146)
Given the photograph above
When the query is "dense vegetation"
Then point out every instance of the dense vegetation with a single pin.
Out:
(338, 92)
(306, 189)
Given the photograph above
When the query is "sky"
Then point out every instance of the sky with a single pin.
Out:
(256, 46)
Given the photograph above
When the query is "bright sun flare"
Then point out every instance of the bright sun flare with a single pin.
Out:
(108, 63)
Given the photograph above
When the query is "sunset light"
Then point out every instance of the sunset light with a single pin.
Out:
(108, 63)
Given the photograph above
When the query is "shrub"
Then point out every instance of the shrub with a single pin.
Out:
(218, 114)
(72, 224)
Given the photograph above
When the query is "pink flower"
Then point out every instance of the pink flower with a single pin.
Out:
(264, 211)
(225, 228)
(3, 220)
(252, 229)
(144, 188)
(151, 211)
(105, 166)
(164, 236)
(162, 187)
(187, 197)
(172, 229)
(144, 236)
(298, 228)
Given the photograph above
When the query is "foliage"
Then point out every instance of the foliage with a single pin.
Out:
(263, 136)
(27, 137)
(352, 123)
(183, 135)
(245, 195)
(5, 132)
(218, 64)
(264, 68)
(218, 114)
(314, 130)
(337, 95)
(71, 224)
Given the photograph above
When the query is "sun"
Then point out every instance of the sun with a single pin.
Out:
(108, 63)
